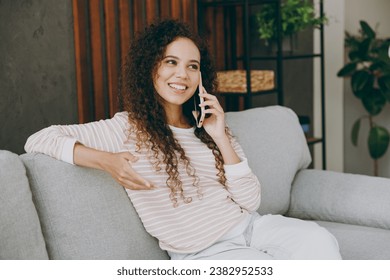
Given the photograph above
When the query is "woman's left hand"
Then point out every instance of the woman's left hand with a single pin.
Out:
(215, 123)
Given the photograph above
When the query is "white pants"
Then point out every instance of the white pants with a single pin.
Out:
(270, 237)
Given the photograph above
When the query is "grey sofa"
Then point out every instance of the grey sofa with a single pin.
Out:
(53, 210)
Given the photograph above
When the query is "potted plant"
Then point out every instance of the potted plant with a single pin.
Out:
(369, 69)
(296, 15)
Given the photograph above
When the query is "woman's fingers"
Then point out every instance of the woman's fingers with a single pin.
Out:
(212, 111)
(138, 179)
(212, 104)
(128, 184)
(121, 169)
(209, 97)
(129, 156)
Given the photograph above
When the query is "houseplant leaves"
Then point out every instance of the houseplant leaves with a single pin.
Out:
(348, 69)
(378, 141)
(373, 101)
(367, 30)
(369, 69)
(355, 132)
(361, 80)
(384, 85)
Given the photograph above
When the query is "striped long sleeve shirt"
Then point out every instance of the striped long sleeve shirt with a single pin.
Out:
(190, 227)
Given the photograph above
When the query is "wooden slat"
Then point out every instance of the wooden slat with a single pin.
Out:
(138, 19)
(176, 9)
(97, 58)
(187, 11)
(126, 31)
(240, 50)
(208, 27)
(151, 9)
(240, 37)
(165, 9)
(112, 53)
(80, 41)
(124, 27)
(219, 39)
(195, 14)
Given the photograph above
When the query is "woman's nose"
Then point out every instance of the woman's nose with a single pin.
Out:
(181, 72)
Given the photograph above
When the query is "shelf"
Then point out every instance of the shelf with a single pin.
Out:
(313, 140)
(255, 93)
(236, 23)
(284, 56)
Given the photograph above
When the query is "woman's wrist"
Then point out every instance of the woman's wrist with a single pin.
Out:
(222, 140)
(229, 155)
(88, 157)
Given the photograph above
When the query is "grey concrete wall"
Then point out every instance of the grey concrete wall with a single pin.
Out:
(37, 70)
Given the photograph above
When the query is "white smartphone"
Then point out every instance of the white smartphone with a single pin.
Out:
(198, 112)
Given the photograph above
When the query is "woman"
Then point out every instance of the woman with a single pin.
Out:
(192, 187)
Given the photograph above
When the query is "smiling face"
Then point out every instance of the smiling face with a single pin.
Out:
(177, 75)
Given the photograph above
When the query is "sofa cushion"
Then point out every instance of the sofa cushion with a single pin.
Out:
(360, 242)
(20, 231)
(340, 197)
(85, 214)
(276, 148)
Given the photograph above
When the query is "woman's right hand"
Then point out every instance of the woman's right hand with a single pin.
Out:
(118, 165)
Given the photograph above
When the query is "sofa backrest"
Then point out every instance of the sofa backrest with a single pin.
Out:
(276, 148)
(20, 231)
(85, 214)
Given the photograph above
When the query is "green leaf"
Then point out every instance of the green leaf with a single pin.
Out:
(354, 55)
(384, 82)
(383, 52)
(384, 85)
(367, 30)
(363, 50)
(374, 101)
(378, 141)
(377, 65)
(351, 41)
(347, 69)
(355, 132)
(386, 94)
(360, 94)
(361, 80)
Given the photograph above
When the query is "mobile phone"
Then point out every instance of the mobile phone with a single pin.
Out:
(198, 112)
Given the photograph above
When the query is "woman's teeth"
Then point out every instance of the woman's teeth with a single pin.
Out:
(179, 87)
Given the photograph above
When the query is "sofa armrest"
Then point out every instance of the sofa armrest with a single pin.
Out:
(341, 197)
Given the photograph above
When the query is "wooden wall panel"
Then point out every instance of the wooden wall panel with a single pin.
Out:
(97, 57)
(112, 53)
(176, 8)
(103, 30)
(228, 23)
(126, 27)
(165, 8)
(151, 11)
(80, 16)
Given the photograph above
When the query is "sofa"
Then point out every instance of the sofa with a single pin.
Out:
(53, 210)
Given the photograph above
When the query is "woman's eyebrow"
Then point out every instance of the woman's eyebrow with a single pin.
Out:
(175, 57)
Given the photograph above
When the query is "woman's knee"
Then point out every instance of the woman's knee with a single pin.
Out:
(290, 238)
(317, 243)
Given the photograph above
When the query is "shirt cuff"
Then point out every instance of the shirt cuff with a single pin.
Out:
(237, 170)
(67, 150)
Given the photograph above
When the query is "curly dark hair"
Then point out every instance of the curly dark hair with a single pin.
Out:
(146, 113)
